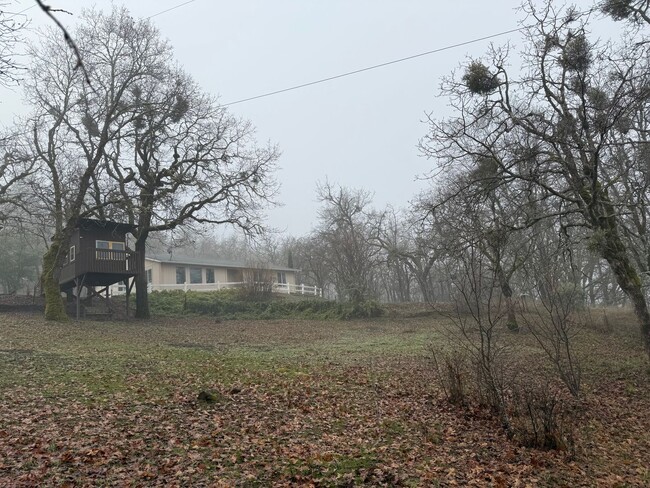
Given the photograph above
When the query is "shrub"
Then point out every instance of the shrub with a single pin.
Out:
(233, 304)
(539, 418)
(360, 310)
(484, 374)
(451, 371)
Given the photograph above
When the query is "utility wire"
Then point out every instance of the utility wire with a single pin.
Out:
(22, 11)
(342, 75)
(150, 17)
(170, 9)
(368, 68)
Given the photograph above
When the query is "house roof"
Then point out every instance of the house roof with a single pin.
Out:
(216, 262)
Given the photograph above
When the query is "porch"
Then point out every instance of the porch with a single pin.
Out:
(99, 267)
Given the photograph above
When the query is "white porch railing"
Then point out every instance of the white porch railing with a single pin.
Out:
(288, 288)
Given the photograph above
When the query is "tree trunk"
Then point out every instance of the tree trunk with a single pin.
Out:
(54, 304)
(426, 287)
(511, 319)
(141, 292)
(613, 251)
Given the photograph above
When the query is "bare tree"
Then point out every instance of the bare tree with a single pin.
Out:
(143, 143)
(472, 211)
(476, 327)
(344, 232)
(74, 127)
(11, 27)
(555, 319)
(391, 234)
(555, 126)
(50, 12)
(20, 254)
(182, 160)
(310, 255)
(16, 167)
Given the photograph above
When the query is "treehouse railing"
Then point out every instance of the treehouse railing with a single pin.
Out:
(96, 260)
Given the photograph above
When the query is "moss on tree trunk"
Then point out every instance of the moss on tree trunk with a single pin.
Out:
(141, 292)
(614, 252)
(54, 304)
(511, 318)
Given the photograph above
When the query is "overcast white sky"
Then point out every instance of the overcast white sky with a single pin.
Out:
(359, 131)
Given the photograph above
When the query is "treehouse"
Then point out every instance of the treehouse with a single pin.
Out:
(97, 258)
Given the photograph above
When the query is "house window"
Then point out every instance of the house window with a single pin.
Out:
(235, 275)
(73, 253)
(149, 274)
(262, 276)
(180, 275)
(196, 275)
(282, 277)
(209, 275)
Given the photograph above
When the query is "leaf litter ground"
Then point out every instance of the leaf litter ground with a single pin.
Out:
(292, 403)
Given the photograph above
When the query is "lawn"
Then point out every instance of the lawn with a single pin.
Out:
(291, 403)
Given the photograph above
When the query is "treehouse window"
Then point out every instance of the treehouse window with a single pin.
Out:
(114, 245)
(209, 275)
(149, 275)
(73, 253)
(282, 277)
(105, 250)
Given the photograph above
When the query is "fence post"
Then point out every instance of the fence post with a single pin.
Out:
(185, 287)
(302, 288)
(218, 286)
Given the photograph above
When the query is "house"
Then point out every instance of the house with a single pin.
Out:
(97, 258)
(175, 272)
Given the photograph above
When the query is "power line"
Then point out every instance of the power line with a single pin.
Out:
(368, 68)
(150, 17)
(170, 9)
(21, 12)
(342, 75)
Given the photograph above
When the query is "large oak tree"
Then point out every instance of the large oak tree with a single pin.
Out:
(141, 142)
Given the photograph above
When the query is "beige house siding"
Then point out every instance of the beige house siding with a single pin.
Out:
(163, 277)
(155, 268)
(165, 273)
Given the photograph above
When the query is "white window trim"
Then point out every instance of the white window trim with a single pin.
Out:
(73, 253)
